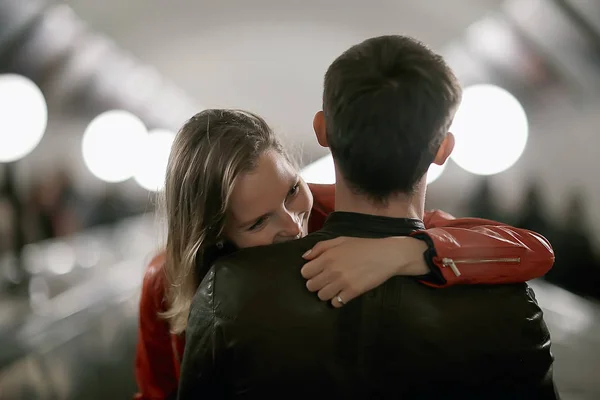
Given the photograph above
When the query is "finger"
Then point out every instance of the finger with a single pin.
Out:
(321, 247)
(320, 281)
(312, 268)
(330, 291)
(345, 295)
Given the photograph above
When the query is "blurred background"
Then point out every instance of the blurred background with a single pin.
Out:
(92, 93)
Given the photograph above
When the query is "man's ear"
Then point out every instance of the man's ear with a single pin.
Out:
(320, 129)
(445, 149)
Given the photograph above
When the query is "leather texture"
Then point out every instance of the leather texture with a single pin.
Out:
(255, 331)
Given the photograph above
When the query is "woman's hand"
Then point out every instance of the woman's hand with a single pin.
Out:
(346, 267)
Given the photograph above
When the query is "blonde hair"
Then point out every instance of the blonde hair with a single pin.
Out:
(210, 151)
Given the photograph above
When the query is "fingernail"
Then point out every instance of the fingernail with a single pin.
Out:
(306, 254)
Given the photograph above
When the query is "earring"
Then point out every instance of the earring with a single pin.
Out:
(220, 245)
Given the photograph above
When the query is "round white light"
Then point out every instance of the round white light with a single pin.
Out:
(153, 159)
(321, 171)
(491, 130)
(23, 117)
(434, 172)
(110, 145)
(60, 258)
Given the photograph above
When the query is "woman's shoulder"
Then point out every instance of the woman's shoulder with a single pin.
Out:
(324, 197)
(154, 277)
(155, 268)
(323, 205)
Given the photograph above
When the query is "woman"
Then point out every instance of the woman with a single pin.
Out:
(219, 199)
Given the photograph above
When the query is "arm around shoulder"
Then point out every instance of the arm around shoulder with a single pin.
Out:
(480, 251)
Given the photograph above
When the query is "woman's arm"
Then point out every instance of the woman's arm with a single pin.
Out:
(451, 251)
(474, 250)
(155, 361)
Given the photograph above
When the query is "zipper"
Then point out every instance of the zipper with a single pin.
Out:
(448, 262)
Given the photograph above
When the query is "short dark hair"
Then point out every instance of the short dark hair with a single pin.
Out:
(388, 103)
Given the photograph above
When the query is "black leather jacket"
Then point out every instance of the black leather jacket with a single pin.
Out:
(255, 331)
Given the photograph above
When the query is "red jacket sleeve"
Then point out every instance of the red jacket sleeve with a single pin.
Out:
(157, 352)
(323, 205)
(480, 251)
(466, 250)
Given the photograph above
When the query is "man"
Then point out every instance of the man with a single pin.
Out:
(255, 330)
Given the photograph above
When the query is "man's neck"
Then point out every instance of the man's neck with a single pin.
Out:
(399, 206)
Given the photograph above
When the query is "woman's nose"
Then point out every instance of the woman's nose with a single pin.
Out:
(293, 225)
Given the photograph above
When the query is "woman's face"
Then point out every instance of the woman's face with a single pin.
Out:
(268, 205)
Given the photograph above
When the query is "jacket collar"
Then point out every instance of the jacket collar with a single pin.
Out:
(373, 226)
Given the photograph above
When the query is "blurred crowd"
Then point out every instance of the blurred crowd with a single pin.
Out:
(53, 207)
(577, 265)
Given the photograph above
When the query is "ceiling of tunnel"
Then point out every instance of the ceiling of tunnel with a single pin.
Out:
(268, 56)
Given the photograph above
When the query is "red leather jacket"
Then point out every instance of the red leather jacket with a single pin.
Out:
(466, 251)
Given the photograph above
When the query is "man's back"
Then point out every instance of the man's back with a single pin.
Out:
(255, 330)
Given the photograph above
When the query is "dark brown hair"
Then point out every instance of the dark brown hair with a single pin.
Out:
(388, 103)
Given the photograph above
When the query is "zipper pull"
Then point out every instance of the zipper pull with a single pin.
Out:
(448, 262)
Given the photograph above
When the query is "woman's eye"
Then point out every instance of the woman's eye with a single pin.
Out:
(294, 189)
(258, 224)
